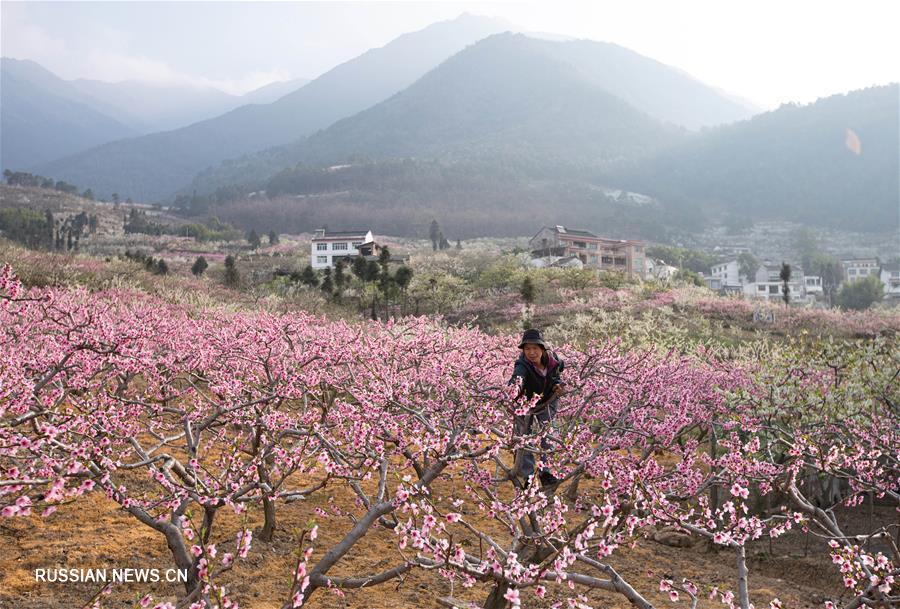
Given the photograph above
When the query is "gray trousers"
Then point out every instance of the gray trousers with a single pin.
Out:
(524, 425)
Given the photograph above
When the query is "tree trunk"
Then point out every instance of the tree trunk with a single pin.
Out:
(743, 592)
(495, 599)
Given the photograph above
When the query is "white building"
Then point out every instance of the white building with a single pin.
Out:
(659, 270)
(859, 268)
(330, 246)
(813, 285)
(890, 277)
(728, 273)
(767, 285)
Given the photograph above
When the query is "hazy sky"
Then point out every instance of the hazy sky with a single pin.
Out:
(766, 51)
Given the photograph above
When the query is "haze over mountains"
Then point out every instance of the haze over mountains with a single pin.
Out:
(494, 132)
(796, 163)
(45, 117)
(154, 166)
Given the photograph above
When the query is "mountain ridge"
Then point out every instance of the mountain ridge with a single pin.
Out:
(155, 165)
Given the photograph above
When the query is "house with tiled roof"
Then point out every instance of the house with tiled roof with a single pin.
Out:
(597, 252)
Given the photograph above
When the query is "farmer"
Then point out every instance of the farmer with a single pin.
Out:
(537, 370)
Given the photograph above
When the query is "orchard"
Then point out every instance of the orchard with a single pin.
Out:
(207, 426)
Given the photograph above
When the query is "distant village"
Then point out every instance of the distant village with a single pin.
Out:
(559, 246)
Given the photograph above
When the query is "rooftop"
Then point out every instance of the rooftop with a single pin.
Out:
(331, 234)
(574, 231)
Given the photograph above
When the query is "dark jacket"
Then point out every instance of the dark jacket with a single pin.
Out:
(535, 384)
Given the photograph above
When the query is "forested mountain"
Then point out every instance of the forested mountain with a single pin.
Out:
(487, 197)
(152, 166)
(798, 163)
(481, 103)
(535, 101)
(795, 163)
(43, 117)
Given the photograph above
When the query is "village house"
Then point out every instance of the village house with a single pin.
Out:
(593, 251)
(330, 246)
(890, 277)
(813, 286)
(659, 270)
(767, 284)
(728, 273)
(859, 268)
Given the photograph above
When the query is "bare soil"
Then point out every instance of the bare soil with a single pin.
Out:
(95, 533)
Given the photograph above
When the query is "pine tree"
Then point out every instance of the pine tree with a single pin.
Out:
(433, 232)
(200, 265)
(232, 276)
(527, 290)
(327, 285)
(340, 280)
(785, 276)
(309, 277)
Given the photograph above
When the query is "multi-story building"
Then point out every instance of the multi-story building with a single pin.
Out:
(890, 277)
(859, 268)
(593, 251)
(728, 273)
(768, 284)
(330, 246)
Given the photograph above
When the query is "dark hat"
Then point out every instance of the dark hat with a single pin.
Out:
(532, 336)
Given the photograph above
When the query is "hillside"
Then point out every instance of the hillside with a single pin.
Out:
(153, 166)
(664, 92)
(149, 107)
(794, 163)
(480, 103)
(492, 177)
(484, 94)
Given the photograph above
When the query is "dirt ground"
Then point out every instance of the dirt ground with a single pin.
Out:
(96, 533)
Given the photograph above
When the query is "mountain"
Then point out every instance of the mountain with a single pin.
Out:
(273, 91)
(43, 117)
(502, 97)
(439, 118)
(496, 138)
(149, 107)
(662, 91)
(39, 103)
(795, 163)
(152, 166)
(490, 148)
